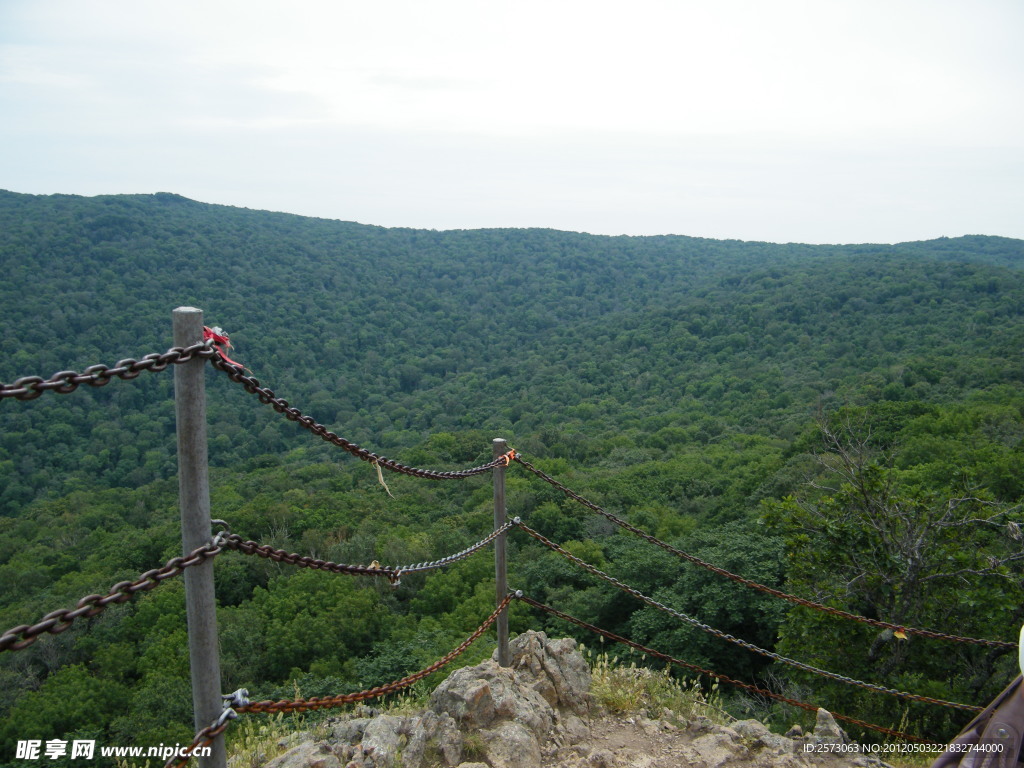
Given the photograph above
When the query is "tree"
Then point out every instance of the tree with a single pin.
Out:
(711, 599)
(69, 699)
(865, 537)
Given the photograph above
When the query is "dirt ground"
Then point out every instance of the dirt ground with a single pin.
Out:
(631, 742)
(622, 741)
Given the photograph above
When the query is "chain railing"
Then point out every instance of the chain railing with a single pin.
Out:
(735, 640)
(55, 622)
(64, 382)
(393, 573)
(749, 582)
(267, 397)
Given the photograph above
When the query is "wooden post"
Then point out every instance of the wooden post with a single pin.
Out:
(500, 561)
(194, 503)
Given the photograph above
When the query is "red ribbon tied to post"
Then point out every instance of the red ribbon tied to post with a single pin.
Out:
(220, 343)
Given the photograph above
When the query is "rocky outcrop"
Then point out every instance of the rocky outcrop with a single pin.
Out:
(543, 697)
(539, 712)
(482, 715)
(383, 741)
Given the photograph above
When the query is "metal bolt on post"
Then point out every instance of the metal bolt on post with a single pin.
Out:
(196, 529)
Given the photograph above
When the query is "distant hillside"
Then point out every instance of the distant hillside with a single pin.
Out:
(392, 334)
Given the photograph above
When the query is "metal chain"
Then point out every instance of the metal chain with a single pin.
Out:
(63, 382)
(204, 738)
(435, 564)
(267, 397)
(238, 703)
(58, 621)
(324, 702)
(750, 583)
(708, 672)
(393, 573)
(737, 641)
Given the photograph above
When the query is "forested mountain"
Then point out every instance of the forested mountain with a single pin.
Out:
(394, 334)
(675, 380)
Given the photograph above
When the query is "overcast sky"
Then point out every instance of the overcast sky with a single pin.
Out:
(783, 120)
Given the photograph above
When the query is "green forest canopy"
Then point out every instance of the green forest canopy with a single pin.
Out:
(674, 380)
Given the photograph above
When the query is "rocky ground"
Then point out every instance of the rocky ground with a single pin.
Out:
(539, 714)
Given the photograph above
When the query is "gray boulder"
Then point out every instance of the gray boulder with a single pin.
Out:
(512, 745)
(478, 696)
(307, 755)
(827, 730)
(515, 710)
(558, 671)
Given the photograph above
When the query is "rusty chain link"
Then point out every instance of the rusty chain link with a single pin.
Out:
(58, 621)
(393, 573)
(325, 702)
(714, 675)
(749, 582)
(250, 547)
(267, 397)
(63, 382)
(735, 640)
(204, 738)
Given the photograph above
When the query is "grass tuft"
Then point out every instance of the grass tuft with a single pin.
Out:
(623, 686)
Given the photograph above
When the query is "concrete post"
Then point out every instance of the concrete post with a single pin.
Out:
(194, 503)
(500, 556)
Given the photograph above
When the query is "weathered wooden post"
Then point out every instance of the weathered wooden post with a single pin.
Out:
(500, 561)
(194, 503)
